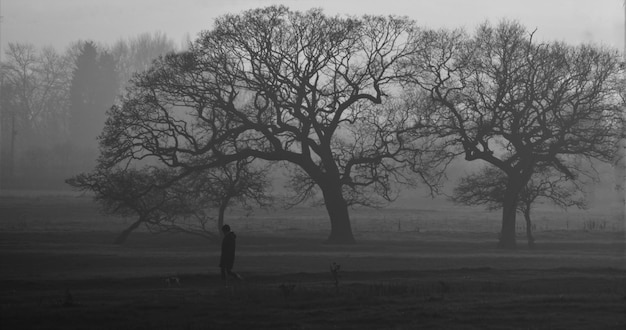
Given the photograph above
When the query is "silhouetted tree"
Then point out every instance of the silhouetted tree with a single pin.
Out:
(84, 118)
(135, 55)
(131, 192)
(34, 89)
(620, 155)
(282, 86)
(488, 187)
(520, 105)
(9, 120)
(92, 92)
(164, 199)
(239, 183)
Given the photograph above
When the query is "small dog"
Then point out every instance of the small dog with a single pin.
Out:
(172, 280)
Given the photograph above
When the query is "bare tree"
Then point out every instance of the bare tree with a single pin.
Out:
(520, 105)
(35, 84)
(93, 90)
(40, 80)
(131, 192)
(620, 155)
(488, 188)
(164, 200)
(240, 183)
(281, 86)
(136, 54)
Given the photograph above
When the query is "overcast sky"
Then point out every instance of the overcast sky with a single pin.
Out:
(60, 22)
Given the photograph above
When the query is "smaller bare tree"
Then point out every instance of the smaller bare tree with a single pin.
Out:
(237, 183)
(487, 188)
(166, 200)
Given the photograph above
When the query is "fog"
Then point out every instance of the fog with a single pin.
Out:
(418, 261)
(61, 22)
(142, 31)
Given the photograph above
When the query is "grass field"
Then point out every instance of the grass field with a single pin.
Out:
(429, 267)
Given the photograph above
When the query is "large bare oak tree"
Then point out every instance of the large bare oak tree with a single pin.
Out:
(504, 98)
(298, 88)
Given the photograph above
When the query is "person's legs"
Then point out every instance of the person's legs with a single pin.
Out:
(224, 270)
(233, 274)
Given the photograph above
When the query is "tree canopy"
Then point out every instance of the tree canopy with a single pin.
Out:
(488, 186)
(34, 86)
(93, 89)
(502, 97)
(136, 54)
(298, 88)
(162, 199)
(355, 106)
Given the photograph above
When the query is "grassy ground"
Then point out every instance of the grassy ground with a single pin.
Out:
(451, 299)
(60, 271)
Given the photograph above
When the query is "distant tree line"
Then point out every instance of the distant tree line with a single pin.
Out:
(53, 105)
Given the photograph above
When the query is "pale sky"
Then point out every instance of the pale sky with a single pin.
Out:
(58, 23)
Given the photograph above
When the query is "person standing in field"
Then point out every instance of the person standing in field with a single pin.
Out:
(227, 258)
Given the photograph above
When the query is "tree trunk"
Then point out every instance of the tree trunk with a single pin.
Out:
(507, 233)
(529, 230)
(341, 230)
(220, 216)
(11, 161)
(509, 212)
(121, 239)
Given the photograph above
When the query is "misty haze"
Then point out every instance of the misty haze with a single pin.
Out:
(313, 167)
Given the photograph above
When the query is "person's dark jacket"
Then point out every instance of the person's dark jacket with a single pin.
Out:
(228, 251)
